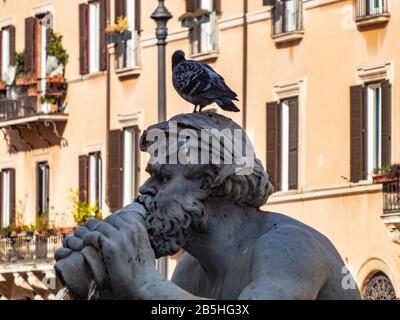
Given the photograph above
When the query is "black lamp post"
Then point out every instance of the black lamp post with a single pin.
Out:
(161, 16)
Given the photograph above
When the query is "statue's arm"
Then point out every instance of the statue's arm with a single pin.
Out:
(287, 264)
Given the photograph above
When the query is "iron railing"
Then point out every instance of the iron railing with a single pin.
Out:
(29, 248)
(366, 8)
(16, 103)
(287, 16)
(204, 36)
(391, 196)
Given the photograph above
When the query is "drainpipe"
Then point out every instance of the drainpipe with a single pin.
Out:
(245, 65)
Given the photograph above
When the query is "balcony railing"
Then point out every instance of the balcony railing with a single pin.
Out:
(24, 248)
(369, 8)
(17, 103)
(287, 16)
(391, 196)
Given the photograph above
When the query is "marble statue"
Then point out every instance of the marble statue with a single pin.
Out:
(233, 249)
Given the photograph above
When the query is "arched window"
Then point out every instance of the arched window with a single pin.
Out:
(379, 287)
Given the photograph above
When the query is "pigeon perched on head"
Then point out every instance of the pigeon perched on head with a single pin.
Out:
(199, 84)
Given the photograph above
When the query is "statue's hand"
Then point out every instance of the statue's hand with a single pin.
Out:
(70, 266)
(122, 243)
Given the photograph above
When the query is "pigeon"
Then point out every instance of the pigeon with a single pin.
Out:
(201, 85)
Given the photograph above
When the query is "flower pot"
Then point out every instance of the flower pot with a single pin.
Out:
(382, 178)
(54, 108)
(113, 37)
(203, 19)
(126, 35)
(20, 81)
(3, 85)
(32, 92)
(187, 22)
(31, 80)
(45, 107)
(56, 79)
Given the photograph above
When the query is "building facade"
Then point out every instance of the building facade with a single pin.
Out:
(317, 86)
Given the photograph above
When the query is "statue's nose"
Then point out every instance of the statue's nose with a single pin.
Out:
(148, 188)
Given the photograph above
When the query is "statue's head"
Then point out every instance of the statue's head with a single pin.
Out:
(194, 159)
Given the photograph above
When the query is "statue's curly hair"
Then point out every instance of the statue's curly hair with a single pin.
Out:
(250, 188)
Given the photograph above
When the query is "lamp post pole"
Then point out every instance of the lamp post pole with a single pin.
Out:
(161, 16)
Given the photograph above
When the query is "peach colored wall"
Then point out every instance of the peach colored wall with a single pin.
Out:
(327, 58)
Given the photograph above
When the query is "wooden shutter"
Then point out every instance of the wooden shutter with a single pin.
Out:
(273, 144)
(1, 199)
(114, 189)
(138, 21)
(386, 123)
(293, 143)
(357, 134)
(30, 46)
(12, 45)
(192, 5)
(1, 58)
(12, 196)
(217, 6)
(103, 25)
(83, 38)
(83, 178)
(120, 9)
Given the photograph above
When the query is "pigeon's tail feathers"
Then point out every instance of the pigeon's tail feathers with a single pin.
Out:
(227, 104)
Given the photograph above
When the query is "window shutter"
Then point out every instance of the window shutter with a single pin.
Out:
(192, 5)
(1, 199)
(30, 46)
(83, 38)
(217, 6)
(103, 25)
(12, 196)
(114, 189)
(1, 58)
(138, 15)
(273, 144)
(293, 143)
(120, 9)
(12, 45)
(83, 178)
(357, 133)
(386, 123)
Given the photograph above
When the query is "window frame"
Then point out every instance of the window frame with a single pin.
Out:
(43, 185)
(134, 161)
(98, 171)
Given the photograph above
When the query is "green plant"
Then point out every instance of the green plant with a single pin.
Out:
(6, 231)
(20, 64)
(82, 211)
(48, 100)
(393, 169)
(55, 47)
(42, 223)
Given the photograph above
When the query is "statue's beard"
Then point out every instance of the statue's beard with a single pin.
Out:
(171, 225)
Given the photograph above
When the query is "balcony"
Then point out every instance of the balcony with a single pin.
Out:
(29, 120)
(371, 13)
(28, 249)
(391, 207)
(287, 22)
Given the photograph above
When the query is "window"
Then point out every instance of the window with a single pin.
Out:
(130, 138)
(287, 16)
(370, 9)
(7, 49)
(7, 205)
(90, 179)
(127, 51)
(282, 144)
(375, 7)
(203, 36)
(92, 42)
(95, 179)
(370, 110)
(43, 188)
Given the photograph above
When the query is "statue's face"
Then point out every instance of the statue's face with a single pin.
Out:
(175, 212)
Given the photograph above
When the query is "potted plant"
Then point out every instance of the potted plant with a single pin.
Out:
(118, 32)
(387, 174)
(187, 20)
(202, 15)
(55, 49)
(48, 104)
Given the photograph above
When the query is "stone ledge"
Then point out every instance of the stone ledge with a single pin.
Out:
(206, 56)
(288, 37)
(129, 72)
(369, 21)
